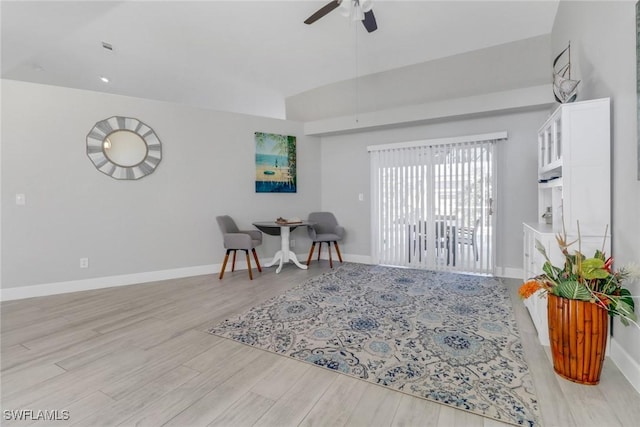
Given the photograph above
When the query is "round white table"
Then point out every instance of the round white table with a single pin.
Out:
(283, 229)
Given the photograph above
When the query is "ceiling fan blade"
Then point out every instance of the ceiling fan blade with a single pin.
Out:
(323, 11)
(369, 21)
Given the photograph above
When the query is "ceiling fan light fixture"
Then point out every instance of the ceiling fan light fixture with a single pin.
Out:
(355, 9)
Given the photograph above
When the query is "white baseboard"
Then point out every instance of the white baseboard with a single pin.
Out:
(508, 272)
(21, 292)
(629, 367)
(359, 259)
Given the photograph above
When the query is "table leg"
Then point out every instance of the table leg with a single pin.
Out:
(294, 258)
(284, 254)
(284, 244)
(288, 255)
(276, 258)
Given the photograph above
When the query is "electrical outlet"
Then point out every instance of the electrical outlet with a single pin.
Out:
(84, 262)
(292, 243)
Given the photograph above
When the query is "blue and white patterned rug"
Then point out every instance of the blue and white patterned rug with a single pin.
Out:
(445, 337)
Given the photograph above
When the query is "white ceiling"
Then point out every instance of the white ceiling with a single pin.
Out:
(243, 56)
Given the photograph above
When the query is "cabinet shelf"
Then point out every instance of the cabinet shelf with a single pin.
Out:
(551, 170)
(551, 183)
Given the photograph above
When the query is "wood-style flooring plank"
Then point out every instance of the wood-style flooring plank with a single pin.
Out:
(62, 390)
(12, 354)
(25, 378)
(217, 401)
(244, 412)
(295, 404)
(619, 394)
(182, 397)
(280, 377)
(335, 406)
(138, 399)
(165, 357)
(449, 416)
(412, 411)
(377, 407)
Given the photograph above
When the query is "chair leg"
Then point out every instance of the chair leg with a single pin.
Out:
(224, 263)
(338, 250)
(249, 265)
(330, 260)
(319, 249)
(313, 246)
(233, 263)
(255, 256)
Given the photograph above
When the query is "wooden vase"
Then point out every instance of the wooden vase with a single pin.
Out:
(578, 338)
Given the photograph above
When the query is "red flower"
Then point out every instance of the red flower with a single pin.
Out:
(607, 264)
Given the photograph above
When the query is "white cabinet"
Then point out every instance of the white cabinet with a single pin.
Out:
(574, 153)
(574, 184)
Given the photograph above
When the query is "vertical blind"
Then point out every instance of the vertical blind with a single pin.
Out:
(433, 202)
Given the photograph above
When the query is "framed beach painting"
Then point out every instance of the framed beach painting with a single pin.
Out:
(275, 163)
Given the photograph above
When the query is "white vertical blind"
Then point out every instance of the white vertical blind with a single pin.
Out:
(432, 203)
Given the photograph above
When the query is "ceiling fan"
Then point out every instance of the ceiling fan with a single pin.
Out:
(357, 10)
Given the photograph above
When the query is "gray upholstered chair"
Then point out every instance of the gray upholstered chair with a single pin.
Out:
(469, 236)
(325, 229)
(234, 240)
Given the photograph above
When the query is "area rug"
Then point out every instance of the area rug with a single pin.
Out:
(445, 337)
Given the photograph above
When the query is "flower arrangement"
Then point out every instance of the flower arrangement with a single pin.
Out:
(586, 279)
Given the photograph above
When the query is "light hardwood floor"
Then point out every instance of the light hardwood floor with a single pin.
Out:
(139, 355)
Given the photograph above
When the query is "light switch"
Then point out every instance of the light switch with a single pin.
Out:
(21, 199)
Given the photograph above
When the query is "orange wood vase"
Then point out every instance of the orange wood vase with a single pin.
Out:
(578, 336)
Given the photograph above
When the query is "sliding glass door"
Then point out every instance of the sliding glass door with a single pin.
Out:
(432, 203)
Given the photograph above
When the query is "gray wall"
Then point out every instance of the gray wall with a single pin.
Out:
(499, 68)
(345, 174)
(603, 46)
(163, 221)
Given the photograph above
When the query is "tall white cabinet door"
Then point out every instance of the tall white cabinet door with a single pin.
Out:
(586, 170)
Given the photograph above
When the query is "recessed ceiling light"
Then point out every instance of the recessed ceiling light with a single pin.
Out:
(104, 79)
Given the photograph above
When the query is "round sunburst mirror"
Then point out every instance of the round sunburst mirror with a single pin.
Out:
(124, 148)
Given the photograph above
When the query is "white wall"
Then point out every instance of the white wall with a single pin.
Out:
(603, 46)
(345, 174)
(163, 221)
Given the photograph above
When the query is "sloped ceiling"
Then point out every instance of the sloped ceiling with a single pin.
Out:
(243, 56)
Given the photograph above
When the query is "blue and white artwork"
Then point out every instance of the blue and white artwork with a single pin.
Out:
(275, 163)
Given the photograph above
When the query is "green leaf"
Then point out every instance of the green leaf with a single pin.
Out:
(622, 308)
(593, 268)
(625, 296)
(542, 250)
(573, 290)
(551, 271)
